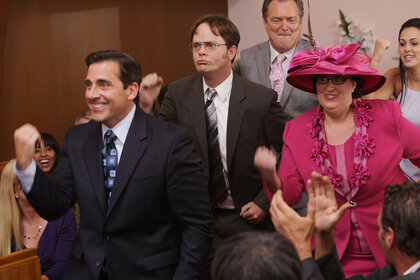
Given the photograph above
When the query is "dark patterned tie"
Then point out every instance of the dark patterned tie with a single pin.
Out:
(109, 162)
(217, 185)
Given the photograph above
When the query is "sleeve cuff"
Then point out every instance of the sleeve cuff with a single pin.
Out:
(26, 177)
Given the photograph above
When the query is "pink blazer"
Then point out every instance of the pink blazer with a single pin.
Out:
(394, 137)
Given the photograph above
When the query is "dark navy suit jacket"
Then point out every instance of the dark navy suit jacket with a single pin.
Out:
(157, 224)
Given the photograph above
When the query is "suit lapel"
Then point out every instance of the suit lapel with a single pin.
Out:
(235, 117)
(93, 160)
(263, 64)
(134, 148)
(195, 107)
(287, 89)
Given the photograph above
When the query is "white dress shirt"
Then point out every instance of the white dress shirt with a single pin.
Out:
(26, 177)
(413, 269)
(121, 131)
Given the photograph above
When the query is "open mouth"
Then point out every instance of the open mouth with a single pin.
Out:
(330, 96)
(97, 106)
(44, 163)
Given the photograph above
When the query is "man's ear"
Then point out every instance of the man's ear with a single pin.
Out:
(232, 52)
(133, 90)
(389, 237)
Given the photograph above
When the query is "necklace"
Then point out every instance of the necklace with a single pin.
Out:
(35, 236)
(363, 145)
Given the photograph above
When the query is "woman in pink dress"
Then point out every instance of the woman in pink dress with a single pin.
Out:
(357, 143)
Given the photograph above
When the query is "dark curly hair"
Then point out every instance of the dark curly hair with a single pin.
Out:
(401, 212)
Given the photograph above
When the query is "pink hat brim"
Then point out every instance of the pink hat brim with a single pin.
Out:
(334, 60)
(303, 79)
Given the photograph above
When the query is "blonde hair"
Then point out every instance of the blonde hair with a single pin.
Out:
(84, 115)
(9, 210)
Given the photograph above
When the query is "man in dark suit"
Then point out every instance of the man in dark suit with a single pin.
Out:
(246, 115)
(151, 218)
(399, 231)
(283, 23)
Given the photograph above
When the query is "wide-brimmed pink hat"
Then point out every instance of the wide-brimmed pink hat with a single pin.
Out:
(334, 60)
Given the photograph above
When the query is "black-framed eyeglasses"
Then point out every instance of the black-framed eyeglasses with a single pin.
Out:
(336, 80)
(208, 46)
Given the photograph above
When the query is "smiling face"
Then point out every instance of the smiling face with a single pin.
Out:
(409, 47)
(105, 94)
(215, 62)
(283, 25)
(335, 98)
(45, 157)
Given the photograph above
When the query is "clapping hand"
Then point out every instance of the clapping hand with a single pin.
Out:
(297, 229)
(323, 201)
(322, 215)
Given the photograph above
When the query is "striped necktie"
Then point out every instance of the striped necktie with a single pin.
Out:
(217, 184)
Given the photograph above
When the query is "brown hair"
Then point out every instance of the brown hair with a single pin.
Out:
(220, 25)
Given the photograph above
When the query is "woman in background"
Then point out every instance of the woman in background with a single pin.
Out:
(21, 227)
(47, 153)
(84, 117)
(403, 83)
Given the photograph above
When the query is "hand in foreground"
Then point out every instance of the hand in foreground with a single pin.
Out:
(149, 91)
(265, 162)
(297, 229)
(252, 213)
(324, 203)
(25, 137)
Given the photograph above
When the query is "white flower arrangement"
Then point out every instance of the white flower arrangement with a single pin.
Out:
(351, 33)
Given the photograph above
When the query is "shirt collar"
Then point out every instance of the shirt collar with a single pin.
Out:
(413, 269)
(121, 129)
(274, 53)
(223, 89)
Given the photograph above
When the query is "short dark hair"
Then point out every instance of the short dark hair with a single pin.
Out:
(256, 255)
(264, 10)
(50, 141)
(401, 212)
(130, 69)
(220, 25)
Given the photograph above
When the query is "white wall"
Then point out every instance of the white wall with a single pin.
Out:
(383, 16)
